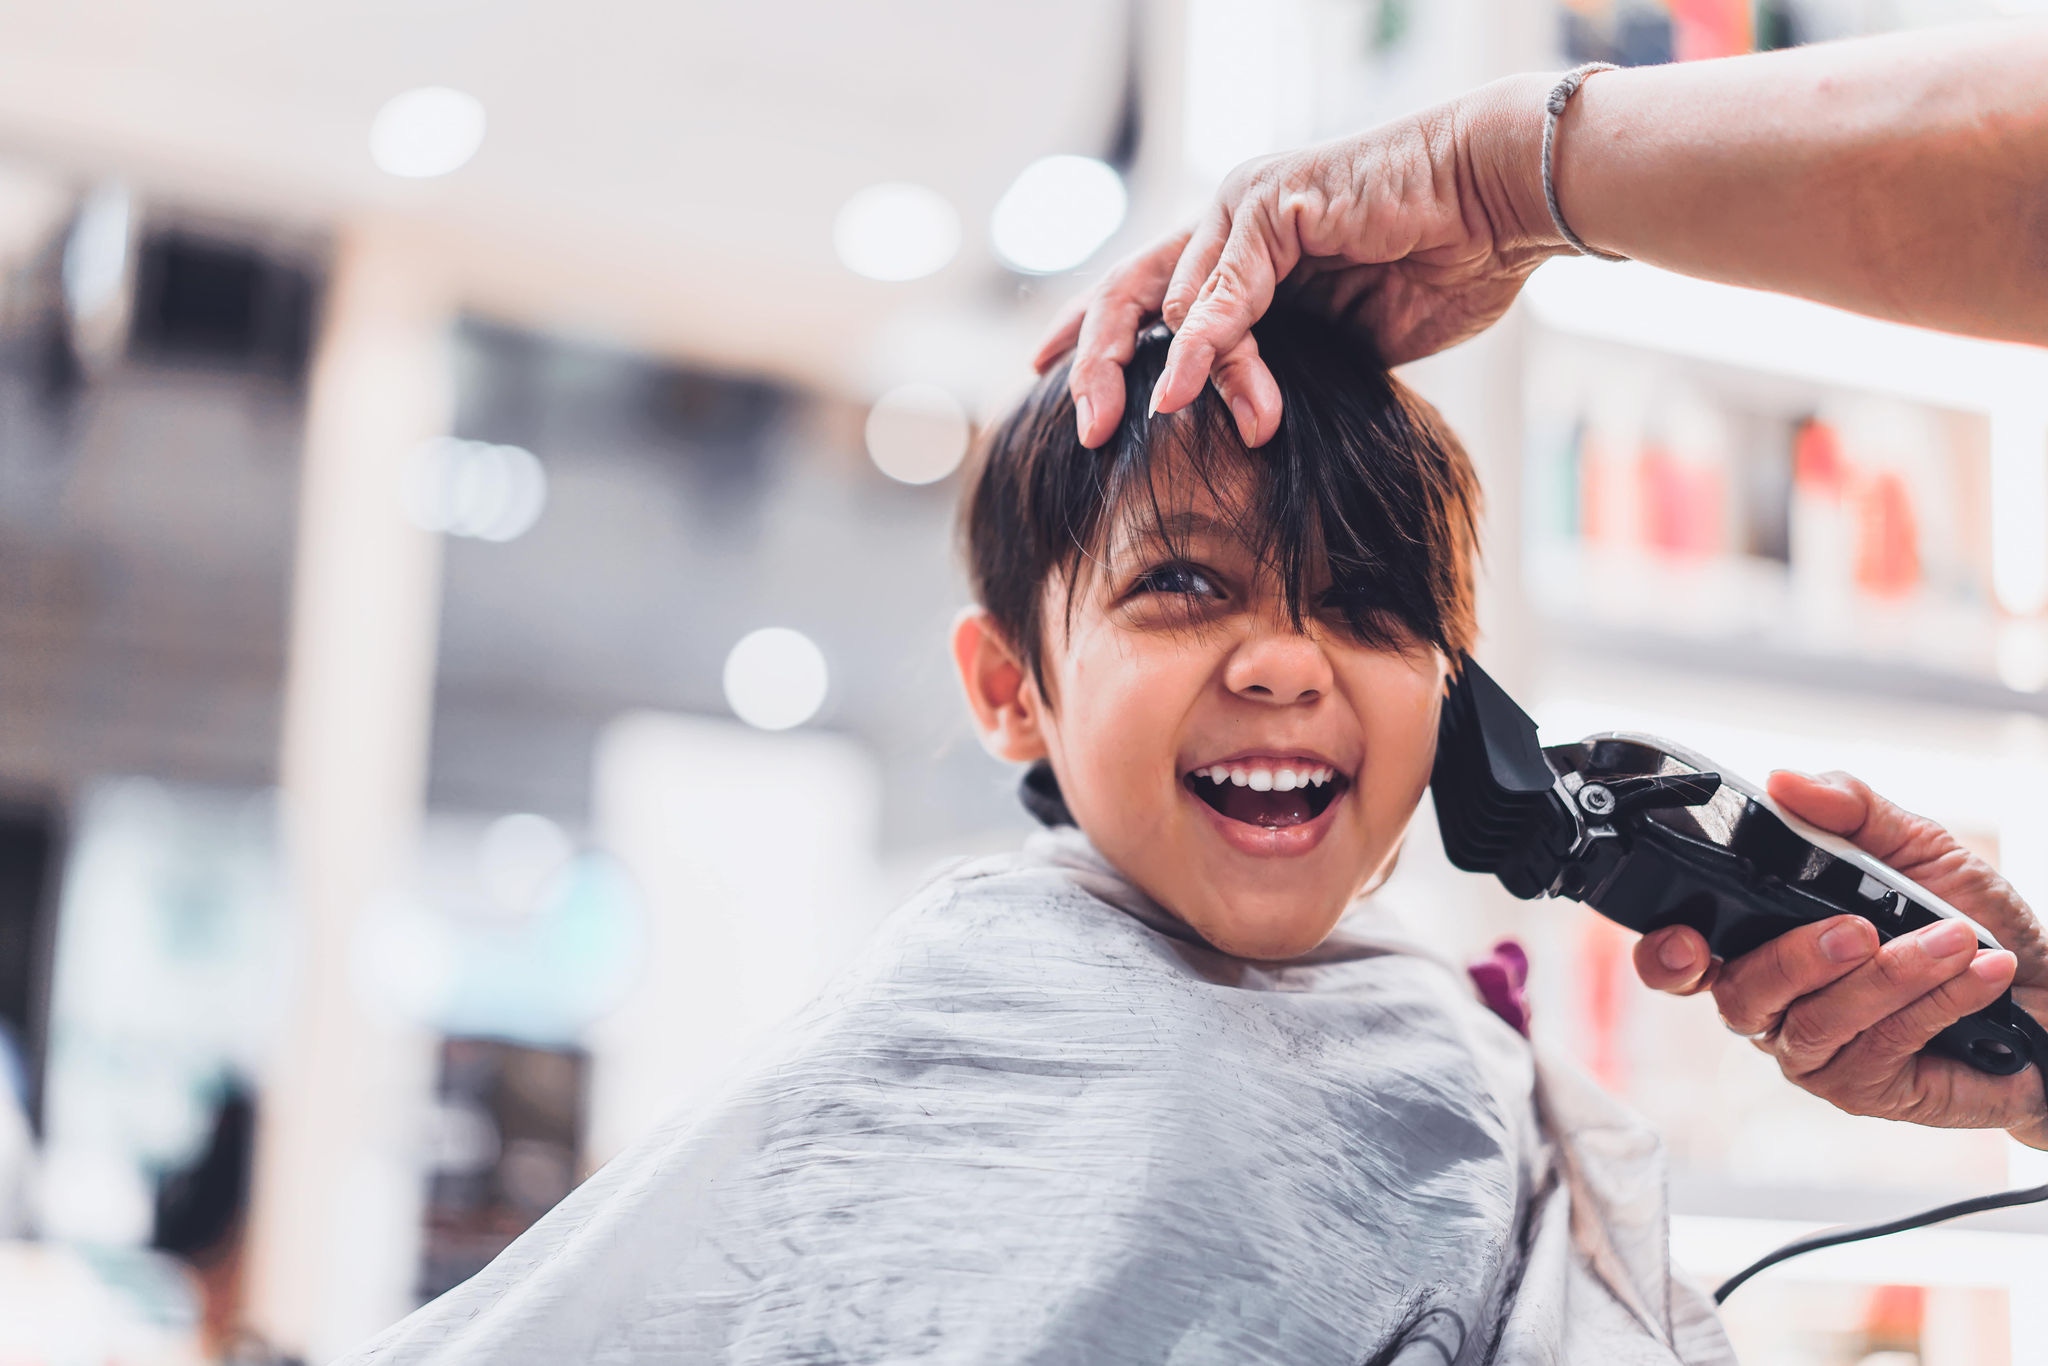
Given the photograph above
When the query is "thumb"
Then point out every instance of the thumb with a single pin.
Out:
(1827, 800)
(1924, 851)
(1845, 806)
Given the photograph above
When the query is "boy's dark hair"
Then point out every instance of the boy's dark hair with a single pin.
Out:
(1362, 476)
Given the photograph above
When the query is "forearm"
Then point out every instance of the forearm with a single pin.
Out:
(1904, 176)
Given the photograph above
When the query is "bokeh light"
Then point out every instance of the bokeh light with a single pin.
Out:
(426, 132)
(896, 231)
(775, 678)
(96, 254)
(1057, 213)
(917, 433)
(475, 489)
(518, 856)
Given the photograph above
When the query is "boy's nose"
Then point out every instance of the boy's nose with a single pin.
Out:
(1283, 667)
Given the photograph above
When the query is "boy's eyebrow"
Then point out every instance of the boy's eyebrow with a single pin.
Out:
(1174, 526)
(1190, 523)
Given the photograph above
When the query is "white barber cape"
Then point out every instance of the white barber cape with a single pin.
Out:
(1040, 1121)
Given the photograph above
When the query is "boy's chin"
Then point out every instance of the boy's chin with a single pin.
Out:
(1245, 929)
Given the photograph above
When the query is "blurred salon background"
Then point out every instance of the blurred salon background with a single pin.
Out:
(476, 482)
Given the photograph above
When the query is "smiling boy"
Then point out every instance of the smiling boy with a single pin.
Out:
(1231, 664)
(1134, 1094)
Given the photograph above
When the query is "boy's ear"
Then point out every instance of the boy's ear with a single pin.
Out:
(1000, 690)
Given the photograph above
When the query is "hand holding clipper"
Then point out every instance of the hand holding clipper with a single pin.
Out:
(1834, 961)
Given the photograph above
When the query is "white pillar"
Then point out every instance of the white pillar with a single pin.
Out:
(334, 1223)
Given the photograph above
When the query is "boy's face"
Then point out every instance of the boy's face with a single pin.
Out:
(1251, 777)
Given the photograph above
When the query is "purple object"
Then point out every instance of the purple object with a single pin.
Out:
(1500, 977)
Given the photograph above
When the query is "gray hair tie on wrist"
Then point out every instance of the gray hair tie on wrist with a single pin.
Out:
(1554, 105)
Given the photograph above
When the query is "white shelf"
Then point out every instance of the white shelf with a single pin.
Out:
(1639, 305)
(1635, 305)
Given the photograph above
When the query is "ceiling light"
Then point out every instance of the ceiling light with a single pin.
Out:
(896, 231)
(775, 678)
(426, 132)
(1057, 213)
(917, 433)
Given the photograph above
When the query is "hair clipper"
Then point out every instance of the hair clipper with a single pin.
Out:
(1650, 834)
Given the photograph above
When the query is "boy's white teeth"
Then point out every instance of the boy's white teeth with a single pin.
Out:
(1266, 779)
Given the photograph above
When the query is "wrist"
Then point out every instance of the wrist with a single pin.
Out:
(1501, 130)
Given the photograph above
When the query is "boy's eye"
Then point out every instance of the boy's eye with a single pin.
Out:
(1179, 580)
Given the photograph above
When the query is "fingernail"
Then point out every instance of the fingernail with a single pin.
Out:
(1152, 407)
(1846, 942)
(1084, 414)
(1675, 954)
(1993, 965)
(1247, 423)
(1947, 939)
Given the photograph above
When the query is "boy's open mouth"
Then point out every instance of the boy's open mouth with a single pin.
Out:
(1268, 794)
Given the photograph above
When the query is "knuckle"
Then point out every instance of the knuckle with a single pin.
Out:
(1231, 369)
(1805, 1034)
(1255, 174)
(1779, 965)
(1895, 1034)
(1105, 351)
(1737, 1010)
(1120, 285)
(1971, 878)
(1755, 984)
(1225, 287)
(1089, 367)
(1900, 966)
(1868, 797)
(1182, 294)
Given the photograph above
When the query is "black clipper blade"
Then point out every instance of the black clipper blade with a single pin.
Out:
(1496, 802)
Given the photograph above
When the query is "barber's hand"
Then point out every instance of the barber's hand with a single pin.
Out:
(1847, 1019)
(1420, 232)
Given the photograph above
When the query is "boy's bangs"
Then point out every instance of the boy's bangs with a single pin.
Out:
(1306, 505)
(1362, 505)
